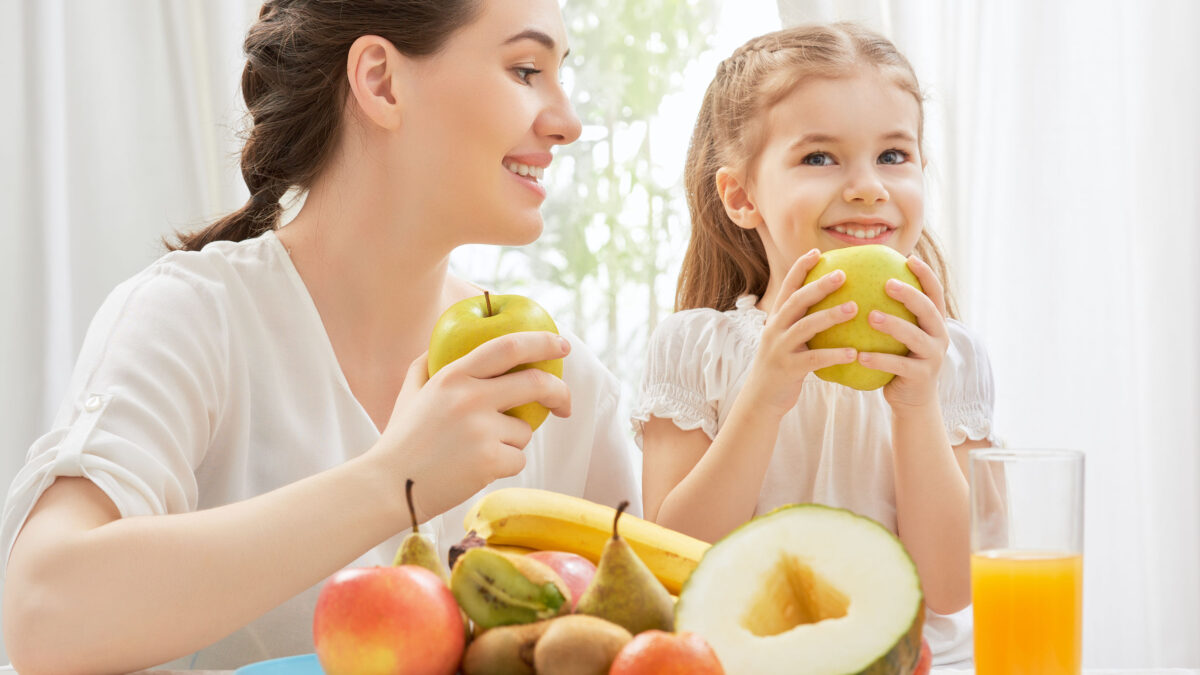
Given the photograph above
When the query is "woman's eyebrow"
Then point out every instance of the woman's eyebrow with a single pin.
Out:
(538, 37)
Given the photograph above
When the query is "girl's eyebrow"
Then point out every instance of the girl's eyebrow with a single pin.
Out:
(538, 37)
(809, 139)
(817, 138)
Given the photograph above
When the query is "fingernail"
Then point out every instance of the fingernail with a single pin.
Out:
(565, 344)
(837, 275)
(848, 307)
(893, 285)
(850, 354)
(876, 316)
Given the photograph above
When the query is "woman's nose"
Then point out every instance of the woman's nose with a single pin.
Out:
(558, 120)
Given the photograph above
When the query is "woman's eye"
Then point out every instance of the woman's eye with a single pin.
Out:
(817, 159)
(523, 74)
(893, 157)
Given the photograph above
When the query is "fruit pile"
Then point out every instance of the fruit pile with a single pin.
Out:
(803, 589)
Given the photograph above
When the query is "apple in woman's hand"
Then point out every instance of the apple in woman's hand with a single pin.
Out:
(472, 322)
(399, 620)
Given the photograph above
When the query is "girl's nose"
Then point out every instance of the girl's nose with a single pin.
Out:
(558, 120)
(865, 186)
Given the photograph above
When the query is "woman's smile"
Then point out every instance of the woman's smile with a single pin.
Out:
(529, 169)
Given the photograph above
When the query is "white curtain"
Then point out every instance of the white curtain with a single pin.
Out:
(1065, 167)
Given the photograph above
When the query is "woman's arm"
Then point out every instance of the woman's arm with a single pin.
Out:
(88, 591)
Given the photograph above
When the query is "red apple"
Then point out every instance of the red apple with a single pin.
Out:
(925, 662)
(398, 620)
(576, 570)
(656, 652)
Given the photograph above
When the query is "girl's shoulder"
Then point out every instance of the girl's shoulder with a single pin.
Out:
(694, 331)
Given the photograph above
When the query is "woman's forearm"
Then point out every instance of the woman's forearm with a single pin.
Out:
(932, 507)
(140, 591)
(721, 491)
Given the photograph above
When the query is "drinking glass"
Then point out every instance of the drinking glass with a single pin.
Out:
(1027, 561)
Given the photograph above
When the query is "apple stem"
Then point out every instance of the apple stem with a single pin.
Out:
(620, 509)
(488, 299)
(412, 512)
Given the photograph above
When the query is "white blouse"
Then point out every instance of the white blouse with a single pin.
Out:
(208, 378)
(834, 447)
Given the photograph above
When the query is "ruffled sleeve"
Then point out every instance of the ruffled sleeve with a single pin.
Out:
(695, 357)
(966, 388)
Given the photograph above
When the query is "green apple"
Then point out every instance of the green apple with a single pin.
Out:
(472, 322)
(867, 269)
(807, 589)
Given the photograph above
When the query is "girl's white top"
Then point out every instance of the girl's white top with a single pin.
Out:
(208, 378)
(834, 447)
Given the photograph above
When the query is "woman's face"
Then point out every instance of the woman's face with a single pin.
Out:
(482, 118)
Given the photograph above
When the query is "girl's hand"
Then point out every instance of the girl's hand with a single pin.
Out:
(449, 433)
(916, 381)
(784, 359)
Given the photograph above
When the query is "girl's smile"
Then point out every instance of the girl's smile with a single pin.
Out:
(864, 231)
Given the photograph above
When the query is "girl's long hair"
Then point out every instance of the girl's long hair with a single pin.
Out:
(294, 84)
(724, 261)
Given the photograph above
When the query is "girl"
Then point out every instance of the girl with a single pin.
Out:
(243, 414)
(810, 139)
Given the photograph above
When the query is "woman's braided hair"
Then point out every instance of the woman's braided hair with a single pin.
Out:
(294, 85)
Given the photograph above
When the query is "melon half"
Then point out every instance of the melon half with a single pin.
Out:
(807, 590)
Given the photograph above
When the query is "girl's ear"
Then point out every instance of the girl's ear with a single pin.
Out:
(375, 68)
(736, 197)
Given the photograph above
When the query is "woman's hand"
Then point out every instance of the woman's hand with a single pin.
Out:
(916, 381)
(449, 433)
(784, 359)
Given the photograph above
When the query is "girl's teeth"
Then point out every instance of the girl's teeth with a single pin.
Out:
(860, 234)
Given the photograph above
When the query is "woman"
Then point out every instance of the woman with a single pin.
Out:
(245, 412)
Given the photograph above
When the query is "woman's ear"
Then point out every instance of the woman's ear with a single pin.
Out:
(375, 69)
(731, 186)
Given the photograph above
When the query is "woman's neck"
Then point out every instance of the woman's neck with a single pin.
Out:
(378, 279)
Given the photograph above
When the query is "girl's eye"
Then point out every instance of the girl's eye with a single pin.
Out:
(893, 157)
(817, 159)
(523, 73)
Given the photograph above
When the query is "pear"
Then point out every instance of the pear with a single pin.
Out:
(417, 549)
(625, 591)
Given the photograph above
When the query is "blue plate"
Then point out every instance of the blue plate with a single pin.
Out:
(305, 664)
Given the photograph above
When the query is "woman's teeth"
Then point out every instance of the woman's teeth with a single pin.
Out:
(534, 172)
(860, 233)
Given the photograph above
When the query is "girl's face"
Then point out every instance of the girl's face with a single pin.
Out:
(840, 166)
(485, 112)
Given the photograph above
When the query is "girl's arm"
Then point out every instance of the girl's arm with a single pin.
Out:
(90, 592)
(706, 489)
(932, 502)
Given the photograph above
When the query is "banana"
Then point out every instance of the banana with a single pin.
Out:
(549, 521)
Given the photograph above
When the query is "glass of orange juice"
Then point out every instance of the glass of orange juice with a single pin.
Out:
(1027, 561)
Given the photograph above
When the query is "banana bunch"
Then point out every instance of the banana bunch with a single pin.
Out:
(549, 521)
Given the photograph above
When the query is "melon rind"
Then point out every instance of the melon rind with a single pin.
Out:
(709, 602)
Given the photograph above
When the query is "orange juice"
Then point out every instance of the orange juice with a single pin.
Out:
(1028, 612)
